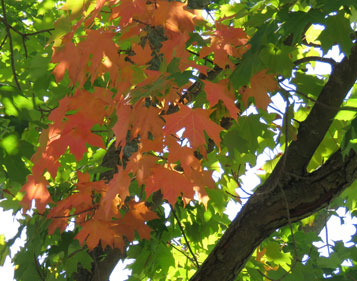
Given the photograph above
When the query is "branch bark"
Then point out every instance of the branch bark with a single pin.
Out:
(306, 193)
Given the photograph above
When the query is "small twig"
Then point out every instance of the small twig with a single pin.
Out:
(24, 35)
(237, 197)
(280, 112)
(196, 54)
(246, 192)
(327, 244)
(316, 58)
(8, 32)
(38, 268)
(182, 252)
(141, 22)
(3, 41)
(76, 214)
(291, 90)
(38, 32)
(304, 42)
(184, 236)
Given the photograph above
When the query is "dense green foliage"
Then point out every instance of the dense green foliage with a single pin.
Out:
(287, 38)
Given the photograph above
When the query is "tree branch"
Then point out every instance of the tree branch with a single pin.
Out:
(8, 33)
(305, 193)
(315, 58)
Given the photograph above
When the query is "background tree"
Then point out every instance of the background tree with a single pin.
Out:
(114, 115)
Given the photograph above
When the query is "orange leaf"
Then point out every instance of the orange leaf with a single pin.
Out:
(142, 55)
(68, 57)
(134, 220)
(36, 189)
(195, 121)
(119, 185)
(174, 16)
(175, 47)
(260, 84)
(145, 120)
(76, 133)
(121, 127)
(185, 155)
(202, 179)
(96, 230)
(219, 91)
(141, 165)
(171, 183)
(226, 41)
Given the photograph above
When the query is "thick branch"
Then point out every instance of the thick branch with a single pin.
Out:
(306, 193)
(266, 212)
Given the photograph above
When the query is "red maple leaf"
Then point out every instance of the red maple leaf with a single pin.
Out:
(172, 184)
(195, 121)
(226, 41)
(119, 185)
(174, 16)
(134, 221)
(185, 155)
(142, 55)
(76, 134)
(96, 230)
(219, 91)
(36, 189)
(260, 84)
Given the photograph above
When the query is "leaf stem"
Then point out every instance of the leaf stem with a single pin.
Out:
(76, 214)
(182, 252)
(184, 236)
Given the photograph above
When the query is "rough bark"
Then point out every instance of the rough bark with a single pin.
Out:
(305, 193)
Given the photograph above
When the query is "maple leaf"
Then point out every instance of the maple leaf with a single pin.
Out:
(121, 127)
(68, 58)
(175, 47)
(172, 184)
(141, 165)
(95, 106)
(59, 113)
(201, 180)
(134, 221)
(61, 223)
(142, 55)
(226, 41)
(80, 201)
(36, 189)
(260, 84)
(219, 91)
(96, 230)
(146, 120)
(129, 9)
(175, 16)
(104, 54)
(75, 134)
(185, 155)
(195, 121)
(119, 185)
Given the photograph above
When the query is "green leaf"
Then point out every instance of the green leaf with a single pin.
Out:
(337, 31)
(4, 250)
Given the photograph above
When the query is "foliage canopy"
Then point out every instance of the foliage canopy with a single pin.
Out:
(115, 115)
